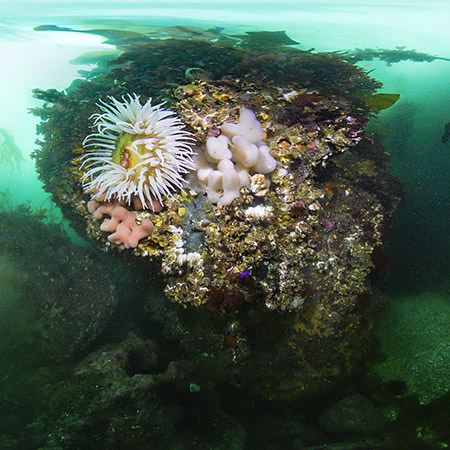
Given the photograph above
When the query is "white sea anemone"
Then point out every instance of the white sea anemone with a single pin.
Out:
(138, 151)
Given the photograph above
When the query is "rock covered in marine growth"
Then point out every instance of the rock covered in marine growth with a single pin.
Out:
(283, 214)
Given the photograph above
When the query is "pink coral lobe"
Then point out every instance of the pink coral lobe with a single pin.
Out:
(126, 232)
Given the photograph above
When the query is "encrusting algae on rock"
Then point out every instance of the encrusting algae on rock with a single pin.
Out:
(270, 228)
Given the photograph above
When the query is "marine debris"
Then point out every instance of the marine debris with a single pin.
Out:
(265, 248)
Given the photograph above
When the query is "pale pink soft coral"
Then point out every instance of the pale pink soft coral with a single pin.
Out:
(122, 222)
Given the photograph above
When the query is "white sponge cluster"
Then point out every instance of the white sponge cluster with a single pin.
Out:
(229, 159)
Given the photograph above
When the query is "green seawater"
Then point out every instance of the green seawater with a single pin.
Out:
(402, 383)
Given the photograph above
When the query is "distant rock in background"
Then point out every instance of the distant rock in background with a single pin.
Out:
(414, 335)
(56, 297)
(353, 414)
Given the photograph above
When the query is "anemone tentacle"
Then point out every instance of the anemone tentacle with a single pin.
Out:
(138, 150)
